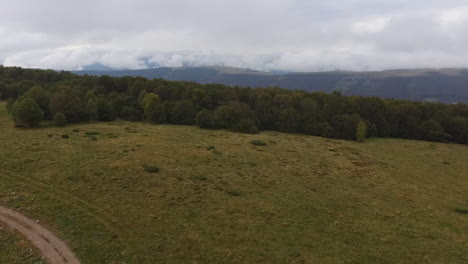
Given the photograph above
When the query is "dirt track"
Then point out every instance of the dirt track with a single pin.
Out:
(54, 250)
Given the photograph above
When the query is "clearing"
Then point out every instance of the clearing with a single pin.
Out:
(217, 198)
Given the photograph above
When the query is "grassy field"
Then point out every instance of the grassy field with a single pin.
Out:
(15, 249)
(219, 199)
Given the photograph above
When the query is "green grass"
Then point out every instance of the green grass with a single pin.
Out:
(294, 201)
(16, 249)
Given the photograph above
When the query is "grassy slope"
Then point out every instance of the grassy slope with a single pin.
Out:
(302, 199)
(16, 249)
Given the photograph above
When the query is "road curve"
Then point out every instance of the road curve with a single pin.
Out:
(54, 250)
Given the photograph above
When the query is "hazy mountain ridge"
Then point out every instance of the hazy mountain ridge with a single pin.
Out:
(442, 85)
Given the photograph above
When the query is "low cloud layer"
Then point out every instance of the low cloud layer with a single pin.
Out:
(287, 35)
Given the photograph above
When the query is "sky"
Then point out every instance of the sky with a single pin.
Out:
(267, 35)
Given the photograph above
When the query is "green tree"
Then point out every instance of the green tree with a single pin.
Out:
(433, 131)
(265, 112)
(60, 119)
(183, 113)
(204, 119)
(9, 104)
(91, 110)
(198, 96)
(141, 97)
(288, 120)
(361, 131)
(104, 110)
(41, 97)
(153, 109)
(27, 112)
(68, 102)
(90, 96)
(224, 117)
(327, 130)
(373, 131)
(130, 113)
(156, 114)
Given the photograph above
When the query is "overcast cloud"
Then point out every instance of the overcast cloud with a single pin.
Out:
(291, 35)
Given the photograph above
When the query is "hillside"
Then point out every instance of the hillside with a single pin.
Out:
(219, 199)
(444, 85)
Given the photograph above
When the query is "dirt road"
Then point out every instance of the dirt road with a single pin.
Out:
(54, 250)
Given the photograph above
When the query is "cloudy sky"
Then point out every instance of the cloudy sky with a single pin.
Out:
(291, 35)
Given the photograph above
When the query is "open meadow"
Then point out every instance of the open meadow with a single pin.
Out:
(123, 192)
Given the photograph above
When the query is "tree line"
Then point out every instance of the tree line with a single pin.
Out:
(36, 95)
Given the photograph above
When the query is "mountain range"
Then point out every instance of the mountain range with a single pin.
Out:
(435, 85)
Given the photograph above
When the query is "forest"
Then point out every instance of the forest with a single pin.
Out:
(62, 97)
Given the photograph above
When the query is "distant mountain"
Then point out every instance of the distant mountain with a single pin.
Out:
(441, 85)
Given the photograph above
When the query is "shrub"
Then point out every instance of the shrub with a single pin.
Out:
(65, 136)
(152, 169)
(246, 126)
(199, 178)
(257, 142)
(461, 210)
(210, 147)
(92, 133)
(234, 192)
(60, 119)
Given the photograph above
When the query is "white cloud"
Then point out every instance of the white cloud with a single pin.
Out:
(299, 35)
(372, 25)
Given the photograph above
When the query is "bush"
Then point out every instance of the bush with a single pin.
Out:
(246, 126)
(257, 142)
(234, 192)
(461, 210)
(92, 133)
(152, 169)
(65, 136)
(60, 119)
